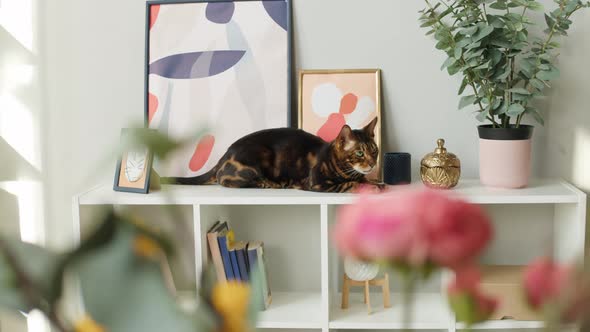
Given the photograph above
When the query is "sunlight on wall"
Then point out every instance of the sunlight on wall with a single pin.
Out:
(30, 197)
(17, 128)
(581, 164)
(36, 322)
(16, 16)
(17, 75)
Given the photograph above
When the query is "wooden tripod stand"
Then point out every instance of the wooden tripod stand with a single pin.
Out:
(382, 282)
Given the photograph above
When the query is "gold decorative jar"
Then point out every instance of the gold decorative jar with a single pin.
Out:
(440, 169)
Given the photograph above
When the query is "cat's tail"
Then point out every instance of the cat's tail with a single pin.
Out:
(204, 179)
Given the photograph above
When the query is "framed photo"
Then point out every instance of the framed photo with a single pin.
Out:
(223, 66)
(330, 99)
(134, 168)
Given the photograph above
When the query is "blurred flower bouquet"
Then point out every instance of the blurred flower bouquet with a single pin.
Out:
(417, 232)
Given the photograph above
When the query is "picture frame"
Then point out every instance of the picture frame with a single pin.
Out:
(230, 81)
(134, 173)
(331, 98)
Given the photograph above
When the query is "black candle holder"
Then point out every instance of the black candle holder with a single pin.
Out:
(397, 168)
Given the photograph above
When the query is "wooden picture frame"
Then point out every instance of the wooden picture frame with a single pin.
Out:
(331, 98)
(130, 179)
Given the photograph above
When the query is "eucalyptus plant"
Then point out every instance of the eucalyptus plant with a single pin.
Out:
(504, 65)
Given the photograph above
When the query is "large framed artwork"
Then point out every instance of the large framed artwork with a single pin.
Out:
(330, 99)
(220, 66)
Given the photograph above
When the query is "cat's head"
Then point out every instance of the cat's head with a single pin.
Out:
(356, 149)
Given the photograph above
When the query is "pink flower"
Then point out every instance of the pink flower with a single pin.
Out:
(561, 288)
(467, 301)
(413, 227)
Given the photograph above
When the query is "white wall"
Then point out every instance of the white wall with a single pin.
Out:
(95, 57)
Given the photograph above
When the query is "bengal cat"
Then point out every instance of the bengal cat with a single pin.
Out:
(293, 158)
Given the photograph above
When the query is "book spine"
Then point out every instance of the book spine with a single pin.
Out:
(216, 257)
(243, 264)
(264, 276)
(234, 264)
(252, 258)
(222, 241)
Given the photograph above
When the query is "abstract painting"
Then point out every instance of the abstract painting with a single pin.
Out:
(219, 66)
(330, 99)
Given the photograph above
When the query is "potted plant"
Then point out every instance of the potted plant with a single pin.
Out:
(505, 67)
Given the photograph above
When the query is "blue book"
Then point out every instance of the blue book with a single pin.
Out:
(240, 249)
(233, 255)
(227, 266)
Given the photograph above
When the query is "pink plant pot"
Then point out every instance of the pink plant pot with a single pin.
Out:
(505, 162)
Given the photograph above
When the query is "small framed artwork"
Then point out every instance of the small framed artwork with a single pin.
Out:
(223, 66)
(134, 167)
(330, 99)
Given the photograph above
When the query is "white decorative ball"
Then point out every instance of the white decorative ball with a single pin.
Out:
(360, 271)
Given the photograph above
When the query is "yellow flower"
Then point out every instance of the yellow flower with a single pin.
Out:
(230, 300)
(87, 324)
(145, 247)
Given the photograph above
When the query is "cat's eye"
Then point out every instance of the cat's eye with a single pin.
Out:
(360, 153)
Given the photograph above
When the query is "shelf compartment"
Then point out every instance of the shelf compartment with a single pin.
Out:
(291, 236)
(292, 310)
(430, 312)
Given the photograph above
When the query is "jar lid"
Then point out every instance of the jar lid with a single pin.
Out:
(440, 157)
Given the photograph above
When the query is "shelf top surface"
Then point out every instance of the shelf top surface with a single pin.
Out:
(539, 192)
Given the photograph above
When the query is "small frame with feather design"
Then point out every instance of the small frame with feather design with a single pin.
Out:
(134, 173)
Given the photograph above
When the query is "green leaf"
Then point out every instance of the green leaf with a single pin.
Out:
(482, 116)
(483, 32)
(534, 5)
(502, 109)
(545, 56)
(484, 65)
(466, 101)
(448, 62)
(464, 83)
(548, 75)
(550, 21)
(500, 5)
(126, 292)
(453, 69)
(535, 114)
(495, 21)
(515, 110)
(39, 266)
(468, 31)
(537, 83)
(520, 91)
(428, 23)
(495, 56)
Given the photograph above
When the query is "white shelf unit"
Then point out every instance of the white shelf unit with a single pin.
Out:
(547, 218)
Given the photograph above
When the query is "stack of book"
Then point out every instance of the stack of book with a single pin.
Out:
(237, 260)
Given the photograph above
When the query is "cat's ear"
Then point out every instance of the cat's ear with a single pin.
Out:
(370, 128)
(345, 138)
